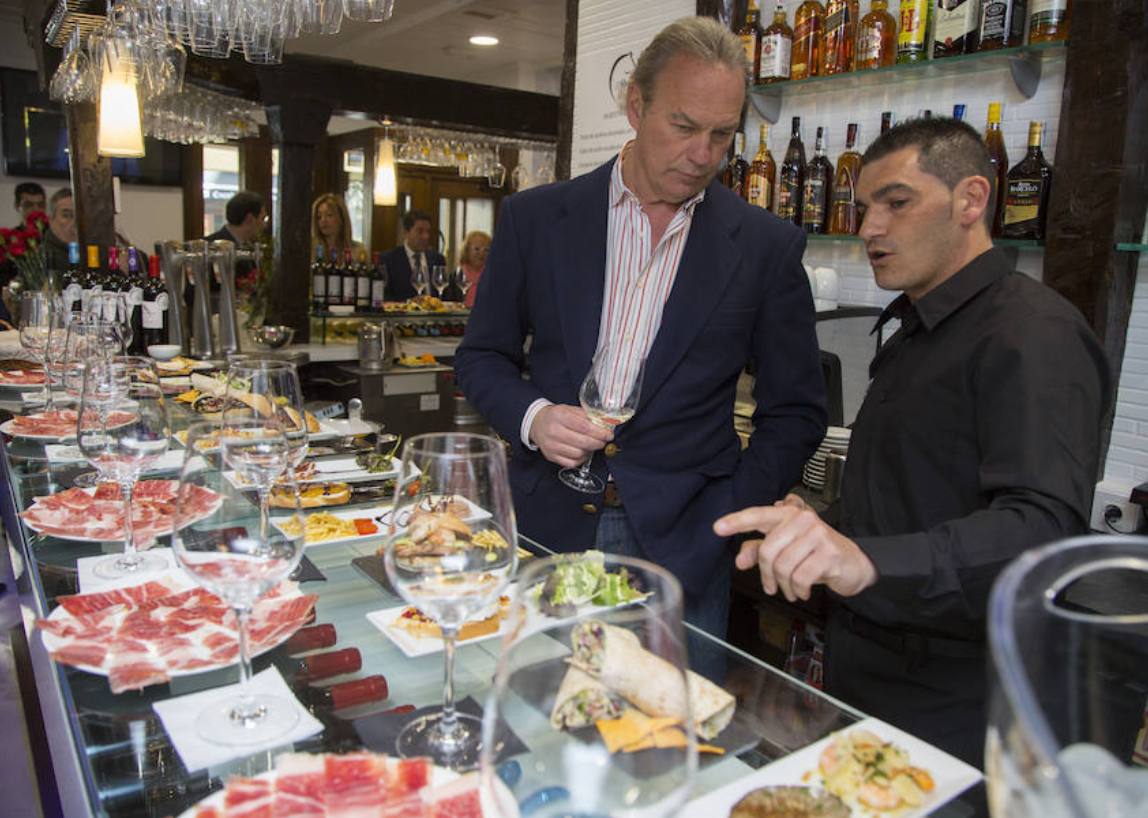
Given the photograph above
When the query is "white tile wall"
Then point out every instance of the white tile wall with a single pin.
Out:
(1127, 462)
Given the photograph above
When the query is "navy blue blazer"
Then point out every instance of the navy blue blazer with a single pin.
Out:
(740, 296)
(399, 287)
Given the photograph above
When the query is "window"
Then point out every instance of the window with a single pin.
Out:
(220, 183)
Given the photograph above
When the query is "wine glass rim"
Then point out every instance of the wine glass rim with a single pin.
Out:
(425, 444)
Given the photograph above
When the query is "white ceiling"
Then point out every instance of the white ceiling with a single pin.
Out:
(430, 37)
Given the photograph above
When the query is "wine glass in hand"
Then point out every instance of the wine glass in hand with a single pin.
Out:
(609, 396)
(451, 550)
(123, 428)
(221, 539)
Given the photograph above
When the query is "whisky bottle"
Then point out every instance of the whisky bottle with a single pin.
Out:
(808, 37)
(734, 174)
(1048, 20)
(955, 27)
(843, 219)
(840, 36)
(876, 37)
(1002, 24)
(886, 120)
(759, 188)
(994, 142)
(776, 49)
(913, 37)
(750, 36)
(1026, 196)
(791, 182)
(818, 183)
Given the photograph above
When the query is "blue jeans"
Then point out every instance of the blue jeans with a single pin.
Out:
(708, 611)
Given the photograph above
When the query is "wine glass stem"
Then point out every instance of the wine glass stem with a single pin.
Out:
(584, 469)
(449, 719)
(130, 559)
(264, 512)
(247, 709)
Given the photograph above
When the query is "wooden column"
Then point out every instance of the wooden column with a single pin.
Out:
(1100, 178)
(255, 165)
(566, 93)
(192, 172)
(297, 126)
(91, 177)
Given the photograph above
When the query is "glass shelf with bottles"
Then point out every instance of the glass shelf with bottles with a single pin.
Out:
(1024, 61)
(830, 238)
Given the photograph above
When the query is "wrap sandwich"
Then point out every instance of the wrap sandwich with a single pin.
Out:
(614, 656)
(582, 700)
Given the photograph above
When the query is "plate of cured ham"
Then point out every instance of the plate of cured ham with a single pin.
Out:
(55, 424)
(97, 514)
(319, 785)
(22, 378)
(146, 634)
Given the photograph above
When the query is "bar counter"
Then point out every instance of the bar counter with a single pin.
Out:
(111, 756)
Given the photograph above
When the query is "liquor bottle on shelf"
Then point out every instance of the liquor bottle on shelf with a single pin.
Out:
(914, 31)
(72, 281)
(318, 281)
(791, 181)
(959, 112)
(808, 37)
(956, 25)
(840, 36)
(154, 316)
(818, 183)
(760, 188)
(93, 281)
(1026, 192)
(362, 283)
(378, 284)
(334, 279)
(843, 220)
(886, 120)
(776, 49)
(1002, 24)
(733, 176)
(350, 279)
(1048, 20)
(994, 142)
(132, 292)
(876, 38)
(750, 36)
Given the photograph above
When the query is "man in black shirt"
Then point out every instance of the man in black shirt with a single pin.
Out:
(978, 439)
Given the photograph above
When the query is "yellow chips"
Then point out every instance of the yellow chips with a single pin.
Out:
(634, 731)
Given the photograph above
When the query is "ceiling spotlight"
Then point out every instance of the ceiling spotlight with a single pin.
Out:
(483, 39)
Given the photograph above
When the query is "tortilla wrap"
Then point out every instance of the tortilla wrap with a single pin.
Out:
(213, 386)
(581, 701)
(616, 658)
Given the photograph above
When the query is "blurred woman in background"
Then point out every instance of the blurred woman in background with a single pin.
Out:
(331, 227)
(472, 261)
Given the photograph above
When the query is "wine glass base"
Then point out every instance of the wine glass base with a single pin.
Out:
(119, 566)
(86, 480)
(274, 718)
(458, 749)
(585, 482)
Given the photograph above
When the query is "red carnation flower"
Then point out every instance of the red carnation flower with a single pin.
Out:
(5, 234)
(36, 220)
(16, 248)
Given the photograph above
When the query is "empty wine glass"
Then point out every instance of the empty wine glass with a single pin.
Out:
(419, 279)
(609, 396)
(572, 670)
(37, 313)
(451, 550)
(271, 390)
(461, 280)
(122, 444)
(222, 541)
(439, 278)
(86, 339)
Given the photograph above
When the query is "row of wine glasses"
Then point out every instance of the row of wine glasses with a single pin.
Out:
(439, 278)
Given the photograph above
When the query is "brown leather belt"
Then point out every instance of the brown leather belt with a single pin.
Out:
(610, 497)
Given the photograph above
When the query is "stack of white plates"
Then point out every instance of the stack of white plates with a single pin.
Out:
(836, 442)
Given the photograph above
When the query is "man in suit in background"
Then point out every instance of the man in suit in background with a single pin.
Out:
(30, 197)
(413, 253)
(246, 216)
(651, 255)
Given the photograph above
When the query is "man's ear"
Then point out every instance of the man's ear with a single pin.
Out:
(634, 105)
(972, 199)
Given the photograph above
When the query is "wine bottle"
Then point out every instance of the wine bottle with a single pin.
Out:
(378, 284)
(362, 283)
(843, 210)
(154, 316)
(350, 279)
(760, 187)
(818, 183)
(322, 665)
(72, 283)
(1026, 194)
(318, 281)
(92, 282)
(111, 285)
(348, 694)
(792, 178)
(334, 279)
(776, 49)
(133, 298)
(994, 142)
(313, 638)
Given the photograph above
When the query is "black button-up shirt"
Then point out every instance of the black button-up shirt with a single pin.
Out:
(978, 439)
